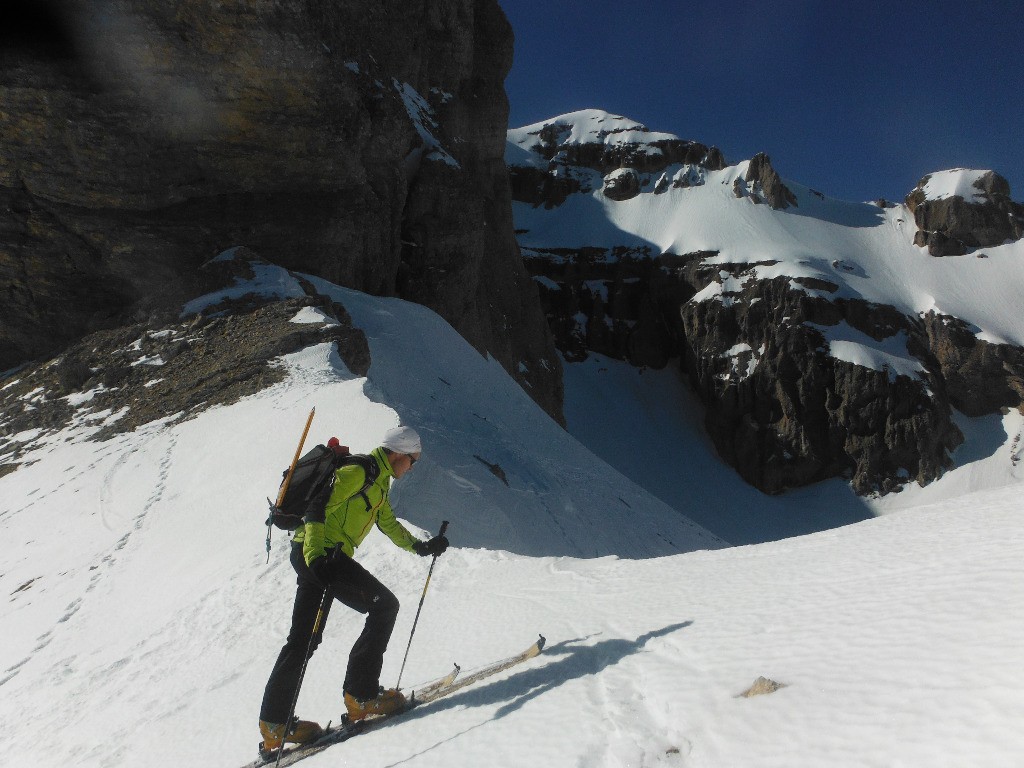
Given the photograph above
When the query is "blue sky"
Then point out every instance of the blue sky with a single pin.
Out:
(856, 99)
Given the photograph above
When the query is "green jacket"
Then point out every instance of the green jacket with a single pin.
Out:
(349, 515)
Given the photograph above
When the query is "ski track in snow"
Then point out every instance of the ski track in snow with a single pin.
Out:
(108, 562)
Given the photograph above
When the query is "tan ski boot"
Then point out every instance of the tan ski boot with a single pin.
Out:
(274, 737)
(385, 703)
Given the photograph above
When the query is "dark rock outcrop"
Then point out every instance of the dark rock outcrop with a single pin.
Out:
(763, 183)
(980, 377)
(604, 156)
(786, 413)
(952, 225)
(621, 184)
(630, 300)
(359, 141)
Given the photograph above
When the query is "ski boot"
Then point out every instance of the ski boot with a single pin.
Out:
(274, 737)
(386, 702)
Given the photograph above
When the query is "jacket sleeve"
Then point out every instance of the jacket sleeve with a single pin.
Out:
(393, 529)
(313, 543)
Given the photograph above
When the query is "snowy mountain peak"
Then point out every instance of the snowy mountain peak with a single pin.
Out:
(650, 253)
(590, 149)
(962, 209)
(588, 126)
(966, 183)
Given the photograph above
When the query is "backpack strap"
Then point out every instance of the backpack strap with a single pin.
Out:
(371, 470)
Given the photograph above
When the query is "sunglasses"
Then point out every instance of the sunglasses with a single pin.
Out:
(412, 459)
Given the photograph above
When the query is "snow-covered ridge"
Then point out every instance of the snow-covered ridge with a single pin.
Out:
(588, 126)
(957, 182)
(867, 250)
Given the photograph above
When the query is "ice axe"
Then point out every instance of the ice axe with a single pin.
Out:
(288, 478)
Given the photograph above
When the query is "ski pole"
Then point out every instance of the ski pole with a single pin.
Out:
(444, 527)
(317, 627)
(288, 479)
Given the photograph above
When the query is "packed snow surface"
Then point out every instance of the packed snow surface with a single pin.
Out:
(141, 617)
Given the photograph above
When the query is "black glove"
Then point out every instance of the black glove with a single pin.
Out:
(436, 546)
(323, 567)
(320, 568)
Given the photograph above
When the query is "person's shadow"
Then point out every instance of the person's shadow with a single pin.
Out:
(513, 692)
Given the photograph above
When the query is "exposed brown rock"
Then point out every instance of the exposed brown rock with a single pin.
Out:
(762, 687)
(764, 182)
(980, 377)
(952, 226)
(170, 368)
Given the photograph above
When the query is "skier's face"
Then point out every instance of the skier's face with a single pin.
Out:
(403, 462)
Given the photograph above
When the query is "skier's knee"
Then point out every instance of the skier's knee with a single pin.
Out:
(385, 603)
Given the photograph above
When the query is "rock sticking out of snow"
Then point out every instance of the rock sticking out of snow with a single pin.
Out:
(761, 687)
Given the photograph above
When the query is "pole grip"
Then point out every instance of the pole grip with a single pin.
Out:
(444, 527)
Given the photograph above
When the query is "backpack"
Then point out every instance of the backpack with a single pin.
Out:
(312, 482)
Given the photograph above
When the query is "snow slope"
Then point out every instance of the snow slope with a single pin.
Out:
(141, 617)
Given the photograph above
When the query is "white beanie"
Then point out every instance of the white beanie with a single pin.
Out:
(402, 440)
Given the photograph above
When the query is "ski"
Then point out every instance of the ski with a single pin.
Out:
(424, 697)
(440, 688)
(437, 685)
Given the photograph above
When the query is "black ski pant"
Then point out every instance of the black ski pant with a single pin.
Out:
(357, 588)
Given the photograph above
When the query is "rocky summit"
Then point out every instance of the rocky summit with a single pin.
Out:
(823, 336)
(963, 209)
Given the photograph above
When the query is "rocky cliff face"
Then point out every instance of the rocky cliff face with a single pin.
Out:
(803, 374)
(359, 141)
(786, 412)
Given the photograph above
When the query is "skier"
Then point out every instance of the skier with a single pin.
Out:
(322, 556)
